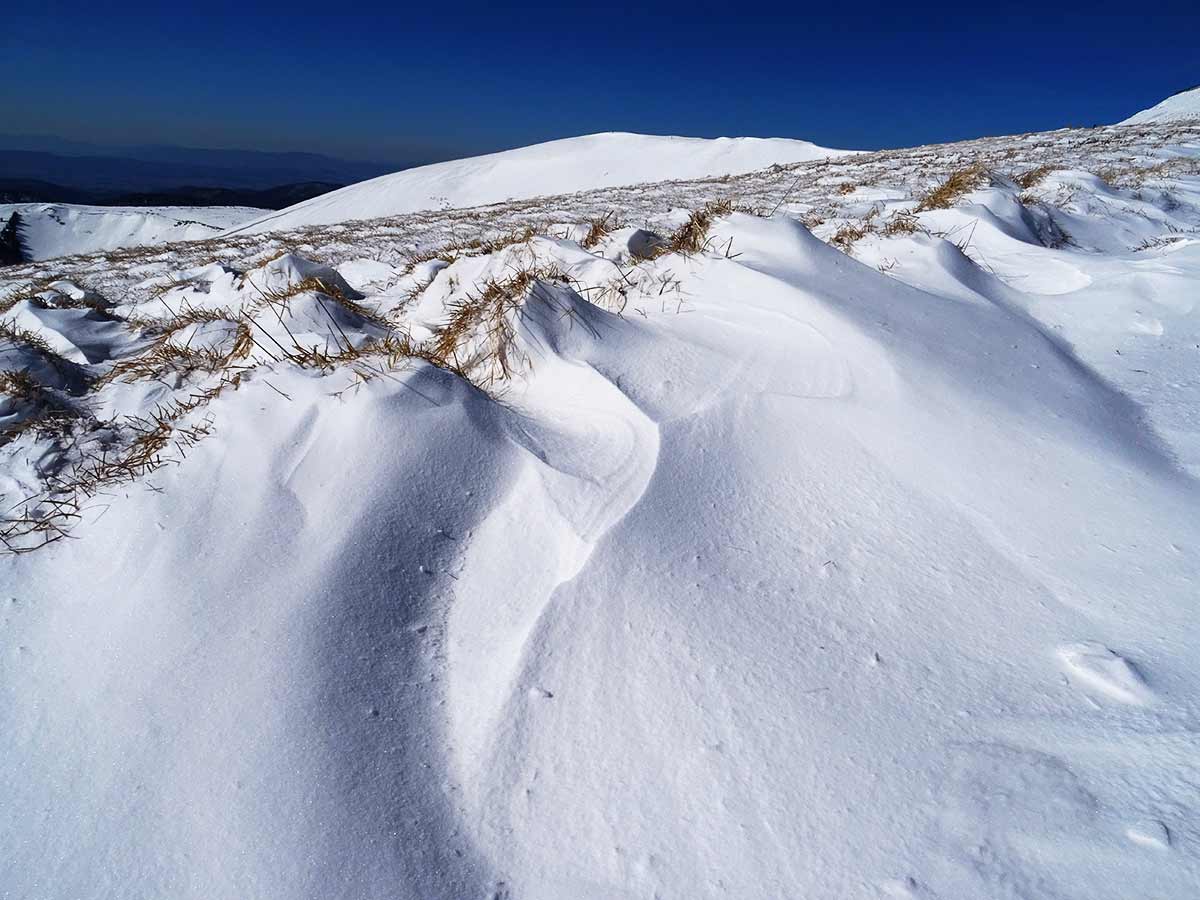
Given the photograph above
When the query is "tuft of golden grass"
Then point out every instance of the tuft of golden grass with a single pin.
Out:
(1033, 177)
(29, 292)
(452, 250)
(598, 230)
(12, 332)
(192, 315)
(48, 517)
(487, 314)
(958, 183)
(167, 357)
(846, 236)
(902, 222)
(691, 237)
(41, 408)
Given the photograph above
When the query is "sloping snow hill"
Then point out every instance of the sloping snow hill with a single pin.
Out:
(65, 229)
(542, 170)
(1176, 108)
(717, 562)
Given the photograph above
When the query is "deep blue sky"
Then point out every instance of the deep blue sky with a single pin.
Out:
(389, 83)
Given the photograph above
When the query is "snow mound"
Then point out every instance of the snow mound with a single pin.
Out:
(64, 229)
(1176, 108)
(555, 167)
(603, 563)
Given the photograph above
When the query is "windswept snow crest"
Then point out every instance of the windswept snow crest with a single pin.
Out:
(688, 556)
(542, 170)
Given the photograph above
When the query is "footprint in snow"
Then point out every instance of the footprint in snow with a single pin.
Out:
(1150, 833)
(1094, 666)
(904, 888)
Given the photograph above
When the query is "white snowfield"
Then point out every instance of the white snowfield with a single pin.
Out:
(1179, 107)
(555, 167)
(849, 551)
(65, 229)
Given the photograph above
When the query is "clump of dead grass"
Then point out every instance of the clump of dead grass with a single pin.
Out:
(598, 229)
(13, 333)
(956, 185)
(181, 360)
(480, 246)
(691, 237)
(1033, 177)
(486, 319)
(39, 407)
(150, 441)
(29, 292)
(900, 223)
(846, 236)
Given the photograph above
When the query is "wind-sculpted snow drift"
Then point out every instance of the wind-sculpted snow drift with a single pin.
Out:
(593, 563)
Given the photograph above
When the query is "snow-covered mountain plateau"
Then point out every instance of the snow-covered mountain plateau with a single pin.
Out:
(813, 525)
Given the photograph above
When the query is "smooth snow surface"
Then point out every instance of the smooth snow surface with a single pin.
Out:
(64, 229)
(540, 570)
(556, 167)
(1178, 107)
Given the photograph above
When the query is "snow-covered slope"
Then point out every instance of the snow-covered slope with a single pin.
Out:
(1176, 108)
(596, 564)
(556, 167)
(63, 229)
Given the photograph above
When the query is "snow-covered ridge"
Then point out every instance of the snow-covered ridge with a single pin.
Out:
(1177, 108)
(542, 170)
(65, 229)
(659, 549)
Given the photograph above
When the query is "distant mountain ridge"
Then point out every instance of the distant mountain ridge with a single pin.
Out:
(110, 174)
(47, 169)
(144, 168)
(19, 190)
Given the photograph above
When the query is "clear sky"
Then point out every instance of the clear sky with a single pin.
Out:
(392, 82)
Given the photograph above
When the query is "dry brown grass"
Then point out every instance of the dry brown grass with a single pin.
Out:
(90, 300)
(486, 318)
(846, 236)
(1135, 176)
(11, 331)
(1033, 177)
(29, 292)
(956, 185)
(691, 237)
(40, 407)
(46, 518)
(15, 334)
(902, 222)
(480, 246)
(169, 358)
(192, 315)
(320, 286)
(598, 230)
(172, 285)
